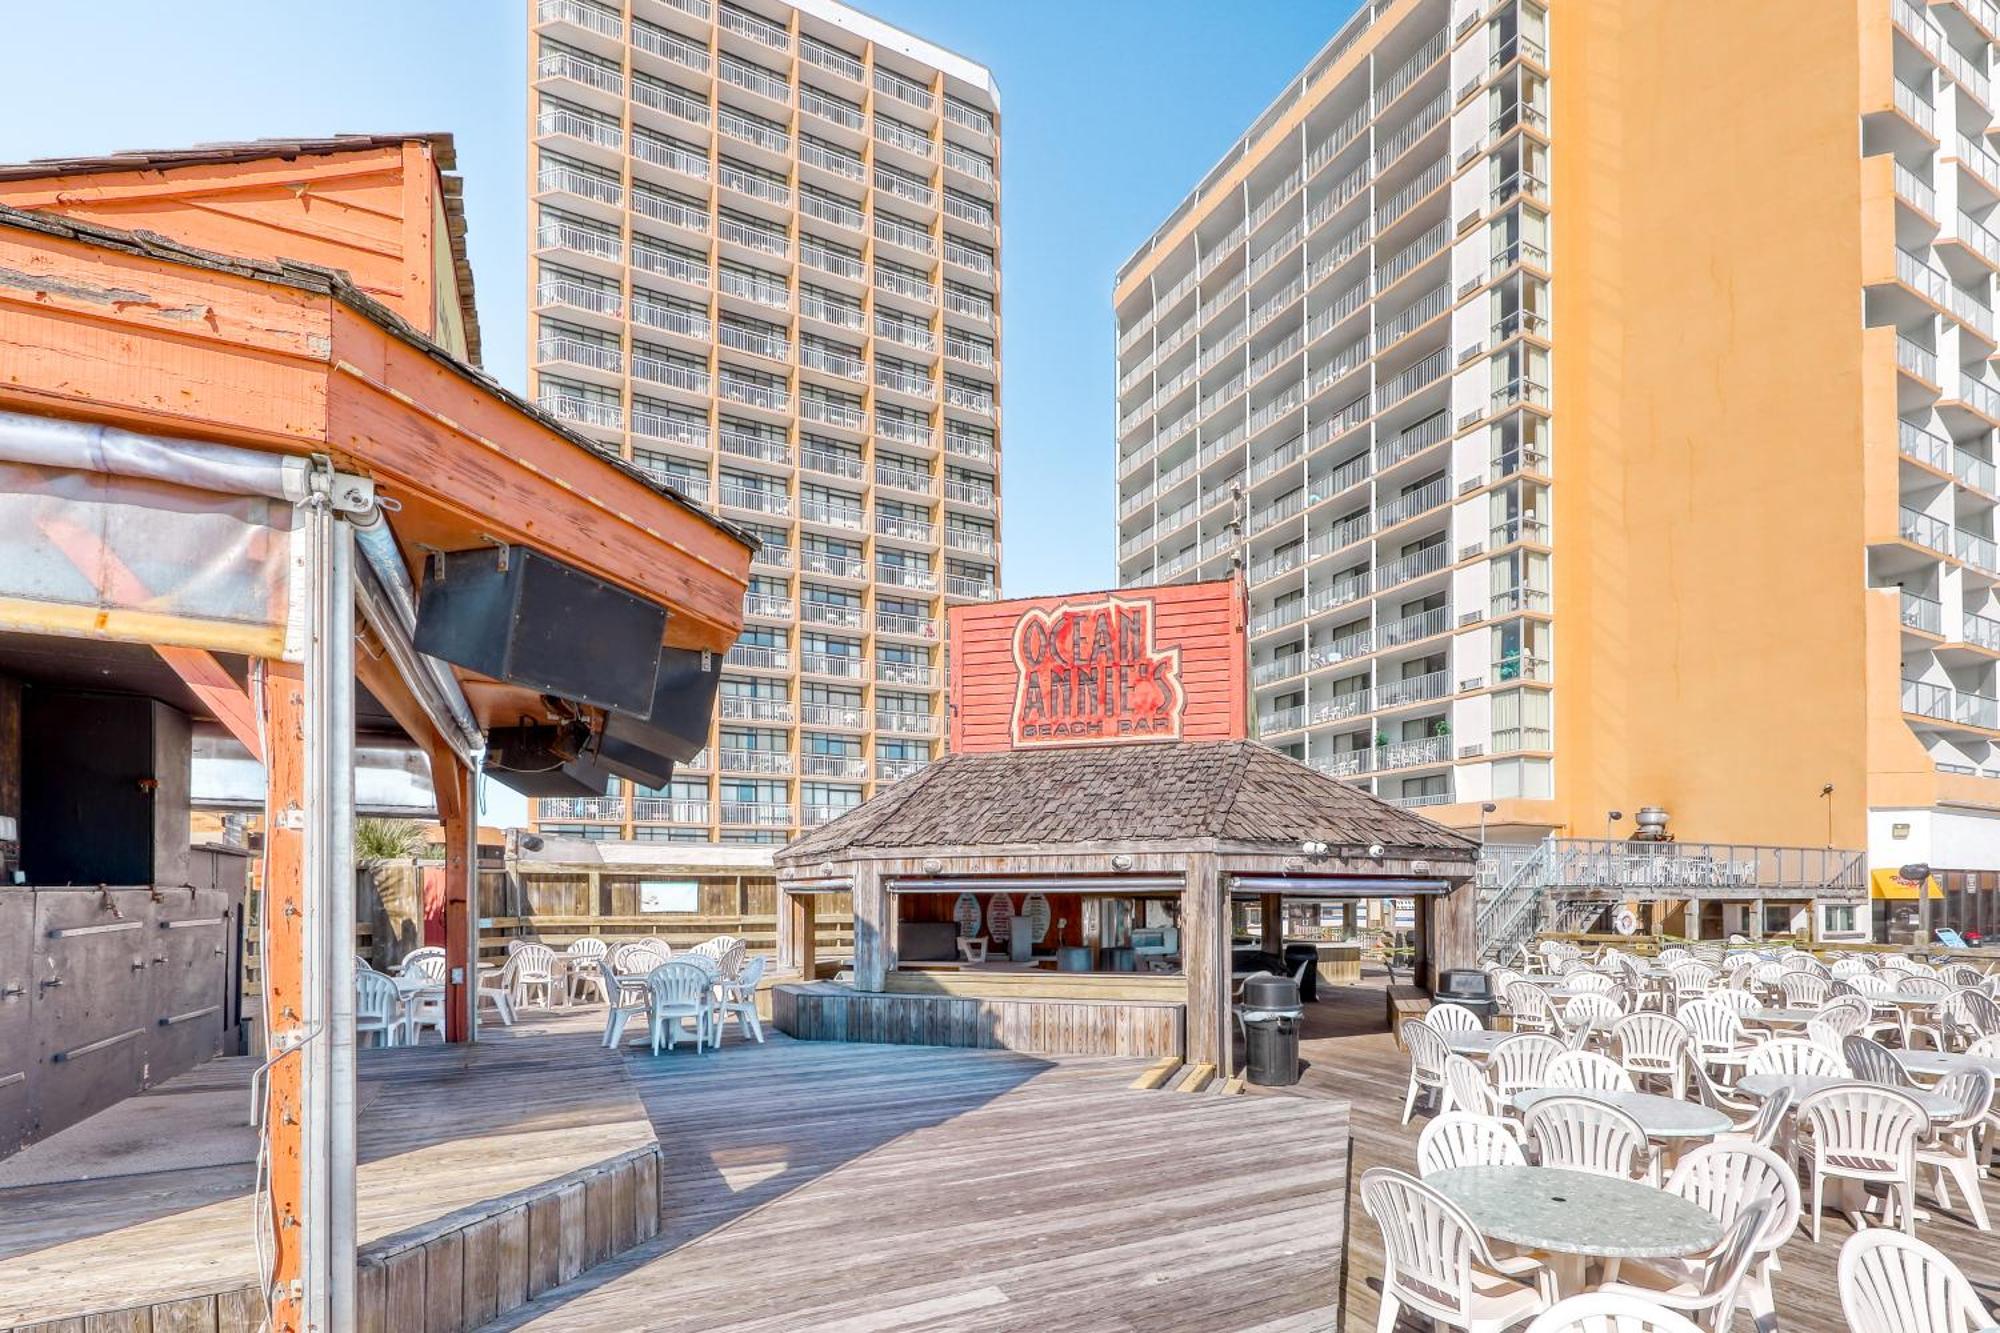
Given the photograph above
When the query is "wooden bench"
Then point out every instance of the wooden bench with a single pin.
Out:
(1406, 1002)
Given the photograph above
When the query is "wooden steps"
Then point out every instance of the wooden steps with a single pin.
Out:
(1158, 1074)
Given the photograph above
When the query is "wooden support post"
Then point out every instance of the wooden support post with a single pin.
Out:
(796, 927)
(283, 1113)
(452, 782)
(874, 928)
(1205, 959)
(1271, 906)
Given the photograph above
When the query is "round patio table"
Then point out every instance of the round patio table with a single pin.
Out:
(1575, 1215)
(1936, 1064)
(1481, 1042)
(1761, 1086)
(1661, 1117)
(1777, 1017)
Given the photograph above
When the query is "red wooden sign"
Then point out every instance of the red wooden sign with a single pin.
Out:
(1088, 673)
(1126, 666)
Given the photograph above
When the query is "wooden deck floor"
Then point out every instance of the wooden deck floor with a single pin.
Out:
(846, 1187)
(150, 1200)
(1351, 1057)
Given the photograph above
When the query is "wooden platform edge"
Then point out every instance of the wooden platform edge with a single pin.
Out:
(1157, 1073)
(456, 1273)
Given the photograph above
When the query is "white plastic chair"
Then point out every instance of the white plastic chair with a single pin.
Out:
(495, 989)
(1532, 1009)
(375, 1003)
(1705, 1287)
(1725, 1178)
(627, 999)
(1588, 1070)
(1466, 1088)
(739, 1001)
(1795, 1057)
(1460, 1138)
(1692, 980)
(1720, 1040)
(1953, 1148)
(638, 957)
(530, 975)
(1453, 1018)
(426, 1010)
(1866, 1133)
(1580, 1134)
(428, 962)
(1850, 967)
(1652, 1046)
(1521, 1062)
(1610, 1312)
(1892, 1283)
(1595, 982)
(1428, 1054)
(583, 974)
(1435, 1262)
(1871, 1062)
(1803, 990)
(676, 993)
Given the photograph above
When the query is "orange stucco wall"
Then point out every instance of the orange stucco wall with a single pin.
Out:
(373, 212)
(1712, 638)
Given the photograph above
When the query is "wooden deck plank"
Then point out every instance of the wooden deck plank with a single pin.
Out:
(548, 1102)
(837, 1186)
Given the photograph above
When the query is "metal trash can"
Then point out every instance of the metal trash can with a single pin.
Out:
(1468, 988)
(1270, 1013)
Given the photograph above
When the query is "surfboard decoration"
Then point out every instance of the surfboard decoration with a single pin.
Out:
(966, 913)
(1036, 908)
(1000, 917)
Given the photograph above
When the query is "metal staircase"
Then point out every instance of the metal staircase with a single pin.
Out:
(1511, 909)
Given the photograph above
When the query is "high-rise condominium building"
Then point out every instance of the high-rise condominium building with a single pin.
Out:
(1597, 399)
(765, 268)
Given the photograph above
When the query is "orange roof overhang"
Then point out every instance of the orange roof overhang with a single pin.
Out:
(134, 330)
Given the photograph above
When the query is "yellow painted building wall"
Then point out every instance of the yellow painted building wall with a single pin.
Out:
(1712, 644)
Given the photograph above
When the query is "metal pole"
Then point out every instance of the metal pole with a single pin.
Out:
(316, 1101)
(339, 776)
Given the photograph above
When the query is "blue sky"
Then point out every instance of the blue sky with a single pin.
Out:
(1103, 132)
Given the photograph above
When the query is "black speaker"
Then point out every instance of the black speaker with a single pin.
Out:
(542, 761)
(674, 731)
(518, 616)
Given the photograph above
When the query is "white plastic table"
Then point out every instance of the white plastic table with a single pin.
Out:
(1761, 1086)
(1576, 1216)
(1661, 1117)
(1936, 1064)
(1475, 1044)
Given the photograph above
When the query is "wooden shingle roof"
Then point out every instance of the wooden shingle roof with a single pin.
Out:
(1170, 793)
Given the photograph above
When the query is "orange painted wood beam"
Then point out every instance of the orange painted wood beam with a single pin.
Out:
(166, 347)
(284, 970)
(232, 706)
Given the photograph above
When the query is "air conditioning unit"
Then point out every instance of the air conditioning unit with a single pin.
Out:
(1470, 618)
(1472, 683)
(1471, 751)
